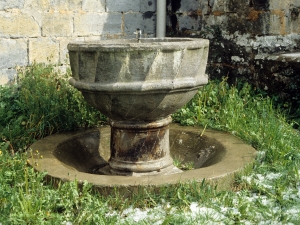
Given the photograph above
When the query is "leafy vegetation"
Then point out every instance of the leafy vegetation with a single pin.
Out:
(268, 192)
(39, 104)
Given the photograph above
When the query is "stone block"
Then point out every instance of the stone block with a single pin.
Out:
(294, 20)
(11, 4)
(97, 23)
(17, 24)
(186, 6)
(13, 52)
(203, 7)
(93, 38)
(218, 5)
(69, 5)
(93, 5)
(132, 21)
(253, 22)
(216, 21)
(43, 50)
(260, 25)
(294, 26)
(37, 5)
(188, 23)
(63, 51)
(148, 6)
(7, 75)
(236, 6)
(278, 23)
(123, 5)
(280, 4)
(57, 24)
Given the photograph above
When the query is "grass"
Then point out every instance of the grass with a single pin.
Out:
(39, 104)
(267, 192)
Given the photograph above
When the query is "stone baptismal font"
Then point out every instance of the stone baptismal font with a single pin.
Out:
(138, 84)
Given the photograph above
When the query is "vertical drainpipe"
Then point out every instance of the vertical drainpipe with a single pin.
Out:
(161, 11)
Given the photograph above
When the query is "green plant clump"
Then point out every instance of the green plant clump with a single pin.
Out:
(41, 103)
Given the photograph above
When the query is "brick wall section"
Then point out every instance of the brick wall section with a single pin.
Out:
(39, 30)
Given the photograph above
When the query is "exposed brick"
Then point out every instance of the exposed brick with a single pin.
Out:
(43, 50)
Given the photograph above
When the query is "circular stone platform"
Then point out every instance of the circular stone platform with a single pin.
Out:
(215, 156)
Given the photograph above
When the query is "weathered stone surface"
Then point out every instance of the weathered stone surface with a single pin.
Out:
(237, 6)
(294, 20)
(43, 50)
(97, 23)
(132, 21)
(13, 52)
(18, 24)
(260, 4)
(124, 66)
(123, 5)
(148, 6)
(187, 6)
(239, 31)
(93, 5)
(11, 4)
(63, 51)
(57, 24)
(189, 23)
(281, 76)
(37, 5)
(278, 23)
(277, 4)
(7, 75)
(69, 5)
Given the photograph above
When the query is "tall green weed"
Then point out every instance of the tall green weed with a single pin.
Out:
(40, 104)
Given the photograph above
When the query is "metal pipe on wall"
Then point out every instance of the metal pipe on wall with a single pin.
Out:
(161, 11)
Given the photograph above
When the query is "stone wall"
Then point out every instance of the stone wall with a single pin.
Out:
(246, 39)
(39, 30)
